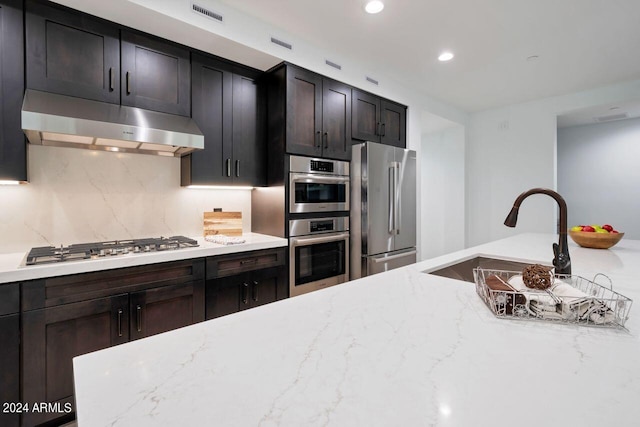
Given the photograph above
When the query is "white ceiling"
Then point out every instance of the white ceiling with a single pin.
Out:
(580, 44)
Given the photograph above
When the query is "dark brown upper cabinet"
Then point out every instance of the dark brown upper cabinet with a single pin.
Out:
(378, 119)
(13, 155)
(229, 108)
(72, 53)
(155, 74)
(309, 113)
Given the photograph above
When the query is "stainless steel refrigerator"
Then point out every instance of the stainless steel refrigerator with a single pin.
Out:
(383, 208)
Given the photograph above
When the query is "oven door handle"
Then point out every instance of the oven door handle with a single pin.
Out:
(305, 241)
(297, 177)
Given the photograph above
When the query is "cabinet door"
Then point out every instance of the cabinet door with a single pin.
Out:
(52, 337)
(265, 286)
(72, 53)
(249, 144)
(223, 296)
(336, 120)
(156, 75)
(394, 124)
(365, 115)
(167, 308)
(13, 155)
(304, 112)
(9, 366)
(212, 101)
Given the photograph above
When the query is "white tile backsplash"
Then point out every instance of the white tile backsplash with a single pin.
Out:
(79, 196)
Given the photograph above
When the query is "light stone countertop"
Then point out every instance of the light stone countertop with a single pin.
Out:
(12, 268)
(402, 348)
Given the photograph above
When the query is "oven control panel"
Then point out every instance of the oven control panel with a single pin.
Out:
(321, 226)
(320, 166)
(300, 164)
(305, 227)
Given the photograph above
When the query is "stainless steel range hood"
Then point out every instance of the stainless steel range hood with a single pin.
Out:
(65, 121)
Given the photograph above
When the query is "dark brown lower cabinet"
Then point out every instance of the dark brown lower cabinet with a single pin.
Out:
(64, 317)
(9, 369)
(164, 309)
(248, 290)
(52, 337)
(240, 281)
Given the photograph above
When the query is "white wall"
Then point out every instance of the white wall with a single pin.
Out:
(80, 196)
(512, 149)
(598, 174)
(443, 195)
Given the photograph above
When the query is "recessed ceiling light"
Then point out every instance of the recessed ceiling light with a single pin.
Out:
(374, 6)
(445, 56)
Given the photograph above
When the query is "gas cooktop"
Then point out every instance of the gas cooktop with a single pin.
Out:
(97, 250)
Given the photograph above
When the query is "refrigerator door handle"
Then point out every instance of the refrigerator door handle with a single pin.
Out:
(396, 210)
(392, 206)
(392, 257)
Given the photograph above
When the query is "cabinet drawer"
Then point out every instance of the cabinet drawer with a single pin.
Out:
(227, 265)
(81, 287)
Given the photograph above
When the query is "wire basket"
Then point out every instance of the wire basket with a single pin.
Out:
(571, 299)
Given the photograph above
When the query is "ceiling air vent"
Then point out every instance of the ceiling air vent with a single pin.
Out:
(333, 64)
(374, 81)
(281, 43)
(611, 117)
(206, 12)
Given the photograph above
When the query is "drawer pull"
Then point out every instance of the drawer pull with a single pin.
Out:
(245, 293)
(139, 318)
(249, 261)
(119, 322)
(255, 291)
(112, 82)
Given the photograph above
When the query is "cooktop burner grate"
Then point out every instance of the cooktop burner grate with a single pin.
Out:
(81, 251)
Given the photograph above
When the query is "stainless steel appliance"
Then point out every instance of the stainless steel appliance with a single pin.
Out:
(67, 121)
(318, 185)
(318, 253)
(86, 251)
(383, 213)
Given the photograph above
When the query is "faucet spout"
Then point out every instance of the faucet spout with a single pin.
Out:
(561, 259)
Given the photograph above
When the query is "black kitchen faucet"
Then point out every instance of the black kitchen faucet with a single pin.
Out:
(561, 260)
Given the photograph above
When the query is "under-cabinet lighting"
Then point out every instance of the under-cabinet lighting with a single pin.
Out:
(9, 182)
(218, 187)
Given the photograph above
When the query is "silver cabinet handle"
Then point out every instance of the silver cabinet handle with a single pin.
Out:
(238, 168)
(119, 322)
(128, 83)
(112, 81)
(139, 318)
(228, 167)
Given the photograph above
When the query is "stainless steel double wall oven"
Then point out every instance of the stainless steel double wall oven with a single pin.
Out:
(318, 223)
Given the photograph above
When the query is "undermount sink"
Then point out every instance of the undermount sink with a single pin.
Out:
(463, 270)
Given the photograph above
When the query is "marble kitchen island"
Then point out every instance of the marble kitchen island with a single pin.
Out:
(402, 348)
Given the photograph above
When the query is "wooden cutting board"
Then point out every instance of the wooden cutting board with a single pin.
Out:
(227, 223)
